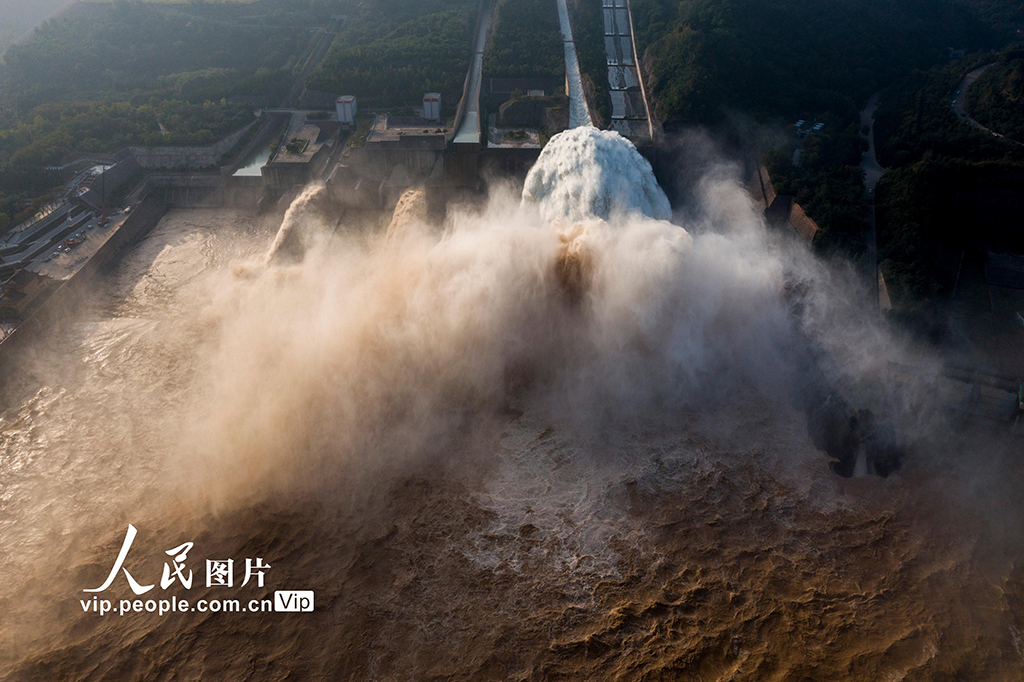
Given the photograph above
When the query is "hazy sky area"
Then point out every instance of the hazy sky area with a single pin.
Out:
(18, 17)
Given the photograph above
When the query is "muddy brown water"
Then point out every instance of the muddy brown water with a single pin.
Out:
(687, 544)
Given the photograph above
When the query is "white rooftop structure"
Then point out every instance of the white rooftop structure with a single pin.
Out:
(432, 106)
(346, 106)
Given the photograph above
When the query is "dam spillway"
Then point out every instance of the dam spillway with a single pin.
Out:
(429, 434)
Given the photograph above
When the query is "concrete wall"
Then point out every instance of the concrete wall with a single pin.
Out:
(60, 307)
(243, 197)
(349, 190)
(270, 128)
(280, 175)
(188, 157)
(106, 184)
(504, 162)
(417, 162)
(190, 197)
(462, 169)
(205, 190)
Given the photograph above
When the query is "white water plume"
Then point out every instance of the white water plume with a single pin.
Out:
(577, 304)
(590, 173)
(293, 237)
(371, 353)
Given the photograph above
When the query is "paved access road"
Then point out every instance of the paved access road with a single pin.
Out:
(960, 100)
(960, 103)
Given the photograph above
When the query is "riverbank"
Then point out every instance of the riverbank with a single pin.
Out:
(76, 279)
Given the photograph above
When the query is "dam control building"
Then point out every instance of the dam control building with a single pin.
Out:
(346, 109)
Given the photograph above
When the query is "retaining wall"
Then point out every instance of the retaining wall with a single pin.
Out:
(188, 157)
(59, 308)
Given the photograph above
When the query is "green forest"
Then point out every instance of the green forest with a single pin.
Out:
(100, 77)
(931, 212)
(127, 50)
(18, 18)
(57, 130)
(997, 97)
(914, 118)
(778, 58)
(712, 62)
(828, 184)
(390, 54)
(950, 187)
(525, 41)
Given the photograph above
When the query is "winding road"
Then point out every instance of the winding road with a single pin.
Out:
(960, 104)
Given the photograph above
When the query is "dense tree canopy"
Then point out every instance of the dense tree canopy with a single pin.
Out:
(914, 118)
(997, 97)
(782, 57)
(828, 184)
(58, 129)
(950, 189)
(117, 51)
(380, 57)
(783, 60)
(525, 41)
(105, 75)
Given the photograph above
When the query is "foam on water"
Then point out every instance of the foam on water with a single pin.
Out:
(555, 436)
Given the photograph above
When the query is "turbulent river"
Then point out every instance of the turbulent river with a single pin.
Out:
(559, 437)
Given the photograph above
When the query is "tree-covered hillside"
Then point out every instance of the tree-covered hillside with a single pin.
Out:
(914, 119)
(781, 57)
(525, 41)
(18, 18)
(783, 60)
(390, 53)
(997, 97)
(101, 76)
(950, 189)
(127, 49)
